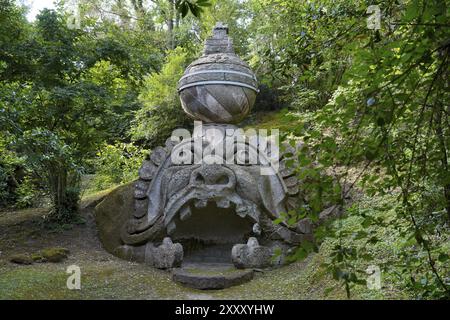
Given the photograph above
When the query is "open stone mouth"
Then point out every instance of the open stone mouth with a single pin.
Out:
(232, 205)
(213, 220)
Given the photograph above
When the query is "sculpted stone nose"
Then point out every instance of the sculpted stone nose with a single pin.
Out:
(213, 175)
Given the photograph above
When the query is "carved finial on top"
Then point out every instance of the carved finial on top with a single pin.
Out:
(219, 42)
(220, 30)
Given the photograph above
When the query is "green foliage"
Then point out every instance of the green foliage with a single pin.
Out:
(195, 7)
(9, 163)
(80, 93)
(379, 124)
(162, 111)
(53, 162)
(298, 46)
(117, 164)
(26, 193)
(375, 232)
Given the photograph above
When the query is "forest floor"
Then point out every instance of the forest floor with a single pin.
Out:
(103, 276)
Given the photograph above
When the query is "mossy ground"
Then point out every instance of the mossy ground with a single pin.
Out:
(283, 120)
(104, 276)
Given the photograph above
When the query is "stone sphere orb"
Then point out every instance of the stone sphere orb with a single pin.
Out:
(218, 88)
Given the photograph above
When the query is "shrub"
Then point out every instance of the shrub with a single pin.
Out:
(162, 108)
(117, 163)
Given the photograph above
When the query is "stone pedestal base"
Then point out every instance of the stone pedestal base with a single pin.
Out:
(211, 276)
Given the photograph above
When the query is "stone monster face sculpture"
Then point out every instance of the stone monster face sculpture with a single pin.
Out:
(208, 205)
(213, 210)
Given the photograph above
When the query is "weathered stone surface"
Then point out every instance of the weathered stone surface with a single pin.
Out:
(21, 258)
(293, 202)
(251, 255)
(304, 226)
(286, 171)
(170, 144)
(291, 181)
(140, 189)
(293, 190)
(219, 42)
(256, 229)
(148, 170)
(140, 208)
(158, 155)
(218, 87)
(111, 215)
(207, 277)
(183, 201)
(131, 253)
(167, 256)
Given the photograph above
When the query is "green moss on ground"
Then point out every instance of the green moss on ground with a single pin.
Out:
(284, 120)
(104, 276)
(54, 254)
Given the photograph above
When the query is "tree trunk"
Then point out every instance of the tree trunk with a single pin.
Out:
(170, 23)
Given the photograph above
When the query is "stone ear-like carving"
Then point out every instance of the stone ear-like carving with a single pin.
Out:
(272, 195)
(148, 206)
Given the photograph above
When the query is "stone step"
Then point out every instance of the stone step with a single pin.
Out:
(207, 276)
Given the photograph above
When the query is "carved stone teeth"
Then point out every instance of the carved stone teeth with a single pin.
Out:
(185, 213)
(223, 203)
(241, 211)
(171, 228)
(158, 155)
(140, 189)
(200, 203)
(256, 229)
(148, 170)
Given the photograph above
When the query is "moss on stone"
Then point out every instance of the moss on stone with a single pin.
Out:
(37, 257)
(112, 213)
(54, 254)
(212, 272)
(21, 258)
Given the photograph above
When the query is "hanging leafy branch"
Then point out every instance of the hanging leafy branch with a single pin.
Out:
(193, 6)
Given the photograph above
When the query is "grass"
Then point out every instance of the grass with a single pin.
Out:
(283, 120)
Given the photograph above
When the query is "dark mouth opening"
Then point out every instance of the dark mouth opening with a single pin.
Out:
(210, 232)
